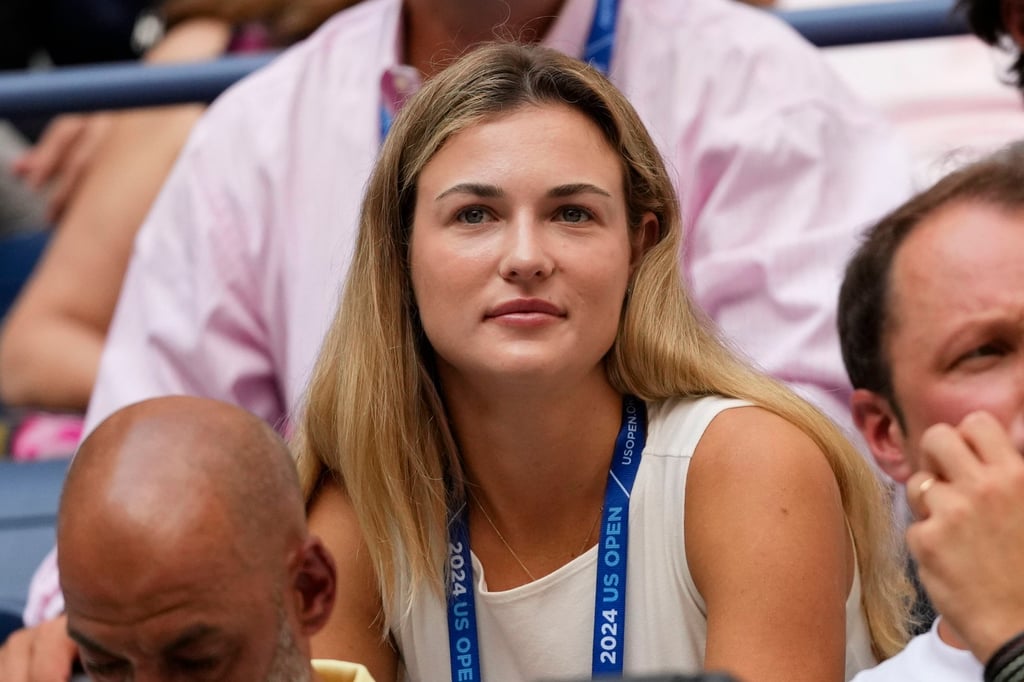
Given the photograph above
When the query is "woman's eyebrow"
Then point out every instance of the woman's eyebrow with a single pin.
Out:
(492, 192)
(474, 188)
(576, 188)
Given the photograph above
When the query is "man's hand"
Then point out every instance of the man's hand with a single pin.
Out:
(969, 539)
(44, 653)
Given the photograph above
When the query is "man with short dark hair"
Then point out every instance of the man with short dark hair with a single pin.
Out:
(931, 324)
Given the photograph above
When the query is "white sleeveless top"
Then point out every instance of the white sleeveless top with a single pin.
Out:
(544, 630)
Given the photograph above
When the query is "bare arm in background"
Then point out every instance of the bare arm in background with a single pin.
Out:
(51, 342)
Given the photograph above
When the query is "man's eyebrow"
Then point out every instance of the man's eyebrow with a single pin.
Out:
(474, 188)
(576, 188)
(84, 641)
(192, 635)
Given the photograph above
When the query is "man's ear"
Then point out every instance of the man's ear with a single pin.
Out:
(876, 420)
(644, 237)
(314, 580)
(1013, 20)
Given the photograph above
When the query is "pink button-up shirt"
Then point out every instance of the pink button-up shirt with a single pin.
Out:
(236, 272)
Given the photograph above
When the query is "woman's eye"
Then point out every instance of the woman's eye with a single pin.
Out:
(473, 215)
(574, 214)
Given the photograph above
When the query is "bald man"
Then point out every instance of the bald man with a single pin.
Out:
(184, 552)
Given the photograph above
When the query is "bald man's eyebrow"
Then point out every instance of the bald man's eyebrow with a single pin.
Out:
(192, 636)
(576, 188)
(476, 189)
(87, 643)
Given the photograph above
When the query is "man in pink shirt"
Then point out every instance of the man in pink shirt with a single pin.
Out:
(236, 272)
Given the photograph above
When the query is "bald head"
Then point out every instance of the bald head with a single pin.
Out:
(184, 470)
(183, 545)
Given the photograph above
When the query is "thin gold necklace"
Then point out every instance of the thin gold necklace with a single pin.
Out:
(490, 522)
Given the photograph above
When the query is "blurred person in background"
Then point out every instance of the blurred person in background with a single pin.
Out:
(50, 343)
(943, 95)
(36, 33)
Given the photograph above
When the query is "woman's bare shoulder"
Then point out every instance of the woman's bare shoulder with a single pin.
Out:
(768, 546)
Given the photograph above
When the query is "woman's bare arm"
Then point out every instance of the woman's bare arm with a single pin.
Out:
(768, 548)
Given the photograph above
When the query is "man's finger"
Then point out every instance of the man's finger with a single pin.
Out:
(53, 653)
(14, 657)
(987, 438)
(947, 455)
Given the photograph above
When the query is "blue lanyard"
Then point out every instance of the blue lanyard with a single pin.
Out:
(601, 41)
(610, 586)
(597, 52)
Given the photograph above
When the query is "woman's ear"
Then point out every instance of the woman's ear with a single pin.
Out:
(644, 237)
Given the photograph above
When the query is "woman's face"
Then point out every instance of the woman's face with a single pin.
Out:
(520, 249)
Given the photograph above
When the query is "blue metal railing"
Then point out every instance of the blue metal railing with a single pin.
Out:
(120, 86)
(876, 22)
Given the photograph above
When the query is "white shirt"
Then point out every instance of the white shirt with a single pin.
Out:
(544, 630)
(927, 659)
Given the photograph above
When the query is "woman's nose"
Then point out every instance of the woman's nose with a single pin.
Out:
(526, 251)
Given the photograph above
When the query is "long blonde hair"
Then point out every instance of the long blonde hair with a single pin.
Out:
(374, 418)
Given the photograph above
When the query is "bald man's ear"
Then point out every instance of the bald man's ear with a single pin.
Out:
(877, 422)
(1013, 19)
(314, 581)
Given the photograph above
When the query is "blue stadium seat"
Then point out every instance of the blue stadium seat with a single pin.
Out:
(29, 494)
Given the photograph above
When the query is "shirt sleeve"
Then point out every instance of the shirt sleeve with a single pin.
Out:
(775, 206)
(188, 320)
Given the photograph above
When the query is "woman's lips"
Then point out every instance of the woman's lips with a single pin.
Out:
(525, 312)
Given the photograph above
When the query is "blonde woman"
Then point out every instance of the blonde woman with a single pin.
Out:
(516, 368)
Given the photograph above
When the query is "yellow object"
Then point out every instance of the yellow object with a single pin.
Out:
(340, 671)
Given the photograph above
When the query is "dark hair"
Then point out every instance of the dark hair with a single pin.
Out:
(864, 300)
(985, 18)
